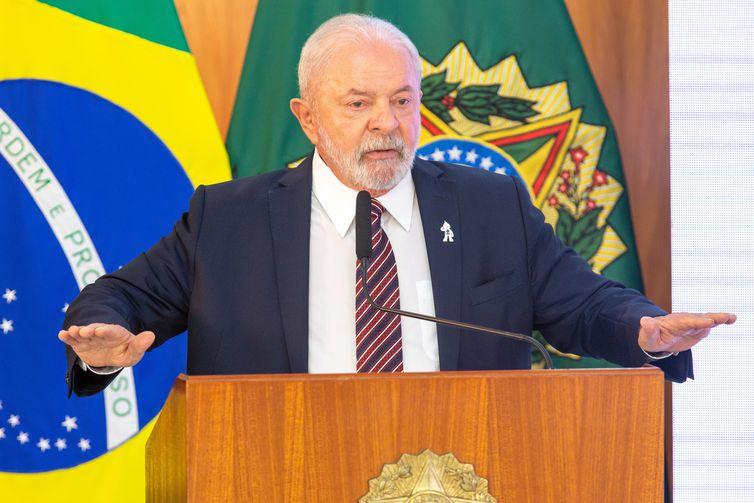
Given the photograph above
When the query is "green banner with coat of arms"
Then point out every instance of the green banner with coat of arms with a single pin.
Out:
(506, 88)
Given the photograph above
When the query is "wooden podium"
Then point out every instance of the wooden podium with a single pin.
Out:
(559, 435)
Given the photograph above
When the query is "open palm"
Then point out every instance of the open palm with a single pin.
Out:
(679, 331)
(103, 345)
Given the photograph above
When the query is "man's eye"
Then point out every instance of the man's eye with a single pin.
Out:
(404, 101)
(357, 104)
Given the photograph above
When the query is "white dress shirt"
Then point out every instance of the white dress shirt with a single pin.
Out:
(332, 276)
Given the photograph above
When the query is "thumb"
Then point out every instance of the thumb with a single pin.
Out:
(140, 343)
(650, 326)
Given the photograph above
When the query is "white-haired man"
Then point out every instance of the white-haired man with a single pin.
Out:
(262, 271)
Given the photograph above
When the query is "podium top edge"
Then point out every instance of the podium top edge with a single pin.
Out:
(460, 374)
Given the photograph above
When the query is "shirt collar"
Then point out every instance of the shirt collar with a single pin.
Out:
(339, 201)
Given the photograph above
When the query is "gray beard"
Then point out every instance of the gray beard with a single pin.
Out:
(370, 174)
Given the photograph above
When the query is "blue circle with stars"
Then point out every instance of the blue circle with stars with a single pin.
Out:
(128, 189)
(469, 153)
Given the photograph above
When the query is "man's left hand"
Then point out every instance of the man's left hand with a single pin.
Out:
(677, 332)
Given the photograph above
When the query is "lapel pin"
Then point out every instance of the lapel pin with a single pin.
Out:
(448, 237)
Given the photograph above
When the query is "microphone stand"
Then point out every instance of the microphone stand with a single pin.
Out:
(458, 324)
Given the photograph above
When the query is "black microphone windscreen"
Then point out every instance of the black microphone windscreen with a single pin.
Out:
(363, 225)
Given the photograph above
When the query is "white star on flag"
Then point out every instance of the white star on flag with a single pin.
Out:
(486, 163)
(455, 153)
(472, 156)
(9, 295)
(84, 444)
(23, 437)
(2, 433)
(437, 155)
(69, 423)
(1, 405)
(65, 307)
(6, 326)
(14, 420)
(43, 444)
(60, 444)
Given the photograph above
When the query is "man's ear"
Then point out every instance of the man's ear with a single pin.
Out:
(305, 115)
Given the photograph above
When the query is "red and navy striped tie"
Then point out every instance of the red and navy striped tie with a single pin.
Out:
(379, 347)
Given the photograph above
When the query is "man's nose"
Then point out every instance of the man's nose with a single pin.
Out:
(383, 119)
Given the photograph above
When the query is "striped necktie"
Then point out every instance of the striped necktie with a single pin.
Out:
(379, 347)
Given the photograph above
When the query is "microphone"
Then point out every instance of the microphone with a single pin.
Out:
(363, 227)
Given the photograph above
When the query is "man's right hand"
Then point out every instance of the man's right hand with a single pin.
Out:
(102, 345)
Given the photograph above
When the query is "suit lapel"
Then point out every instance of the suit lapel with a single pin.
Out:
(290, 214)
(438, 203)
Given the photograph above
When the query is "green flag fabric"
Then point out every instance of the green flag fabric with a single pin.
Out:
(506, 87)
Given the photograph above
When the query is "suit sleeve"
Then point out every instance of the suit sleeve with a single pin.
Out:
(581, 312)
(152, 292)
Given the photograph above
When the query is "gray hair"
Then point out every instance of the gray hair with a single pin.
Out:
(355, 28)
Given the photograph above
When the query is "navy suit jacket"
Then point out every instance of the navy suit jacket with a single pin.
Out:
(234, 273)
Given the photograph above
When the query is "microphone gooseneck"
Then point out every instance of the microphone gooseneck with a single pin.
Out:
(363, 227)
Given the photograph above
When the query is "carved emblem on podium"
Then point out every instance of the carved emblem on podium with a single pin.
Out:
(428, 478)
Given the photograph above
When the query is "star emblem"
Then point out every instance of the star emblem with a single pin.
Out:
(23, 437)
(69, 423)
(60, 444)
(455, 153)
(6, 326)
(43, 444)
(9, 295)
(65, 307)
(472, 156)
(2, 433)
(486, 163)
(437, 155)
(14, 420)
(84, 444)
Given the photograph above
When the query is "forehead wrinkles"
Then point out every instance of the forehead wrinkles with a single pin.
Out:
(378, 68)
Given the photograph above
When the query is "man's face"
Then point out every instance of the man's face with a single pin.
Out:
(366, 115)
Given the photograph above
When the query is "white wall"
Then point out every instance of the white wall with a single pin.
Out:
(712, 214)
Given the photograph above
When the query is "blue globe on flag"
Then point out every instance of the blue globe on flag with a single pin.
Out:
(84, 188)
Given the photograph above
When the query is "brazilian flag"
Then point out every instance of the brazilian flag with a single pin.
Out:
(507, 89)
(105, 130)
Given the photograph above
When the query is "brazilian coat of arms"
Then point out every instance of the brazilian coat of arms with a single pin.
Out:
(491, 119)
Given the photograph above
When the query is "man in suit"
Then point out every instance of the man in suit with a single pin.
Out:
(262, 271)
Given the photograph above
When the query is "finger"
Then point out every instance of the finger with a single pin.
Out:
(105, 330)
(144, 340)
(140, 343)
(66, 337)
(681, 322)
(722, 318)
(113, 334)
(74, 330)
(73, 335)
(88, 331)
